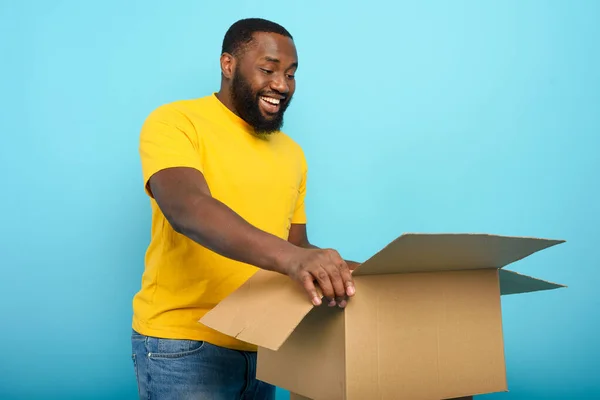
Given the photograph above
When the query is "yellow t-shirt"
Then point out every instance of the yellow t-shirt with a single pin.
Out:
(263, 179)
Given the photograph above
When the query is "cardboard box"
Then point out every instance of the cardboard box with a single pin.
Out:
(425, 322)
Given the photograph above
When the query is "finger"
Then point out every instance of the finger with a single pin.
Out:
(345, 273)
(322, 277)
(337, 282)
(309, 287)
(345, 276)
(348, 280)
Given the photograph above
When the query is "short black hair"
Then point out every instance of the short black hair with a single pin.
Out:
(240, 34)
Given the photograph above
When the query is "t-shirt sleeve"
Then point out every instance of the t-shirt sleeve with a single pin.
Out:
(299, 216)
(168, 139)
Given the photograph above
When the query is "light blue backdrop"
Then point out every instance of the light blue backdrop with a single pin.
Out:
(432, 116)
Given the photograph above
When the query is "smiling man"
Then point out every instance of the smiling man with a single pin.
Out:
(227, 191)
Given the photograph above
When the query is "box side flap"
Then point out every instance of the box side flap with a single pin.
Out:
(311, 361)
(449, 252)
(263, 311)
(514, 283)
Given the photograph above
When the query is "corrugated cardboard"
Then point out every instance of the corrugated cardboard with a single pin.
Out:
(425, 322)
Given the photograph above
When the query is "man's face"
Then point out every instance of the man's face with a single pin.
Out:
(263, 82)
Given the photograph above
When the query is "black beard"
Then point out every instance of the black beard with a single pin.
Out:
(246, 101)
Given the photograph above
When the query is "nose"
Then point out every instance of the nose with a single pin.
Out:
(279, 83)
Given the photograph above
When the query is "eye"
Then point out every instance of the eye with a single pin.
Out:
(266, 71)
(290, 76)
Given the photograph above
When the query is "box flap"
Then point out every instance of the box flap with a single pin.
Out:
(311, 361)
(264, 311)
(515, 283)
(449, 252)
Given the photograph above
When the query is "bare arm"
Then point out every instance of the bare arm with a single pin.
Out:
(185, 199)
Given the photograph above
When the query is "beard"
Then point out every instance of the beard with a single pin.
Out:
(245, 101)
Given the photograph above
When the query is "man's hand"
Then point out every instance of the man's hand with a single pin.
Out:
(342, 269)
(324, 267)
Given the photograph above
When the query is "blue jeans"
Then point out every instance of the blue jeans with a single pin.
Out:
(186, 369)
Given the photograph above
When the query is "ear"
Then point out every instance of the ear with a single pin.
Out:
(227, 65)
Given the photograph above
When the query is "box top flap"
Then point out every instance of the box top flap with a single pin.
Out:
(515, 283)
(447, 252)
(264, 311)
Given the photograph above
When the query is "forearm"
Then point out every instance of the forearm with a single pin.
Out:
(215, 226)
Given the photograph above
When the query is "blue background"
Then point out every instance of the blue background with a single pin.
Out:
(430, 116)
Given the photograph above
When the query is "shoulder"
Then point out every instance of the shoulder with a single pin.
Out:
(179, 111)
(171, 124)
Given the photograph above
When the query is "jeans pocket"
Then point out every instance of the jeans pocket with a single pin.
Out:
(172, 348)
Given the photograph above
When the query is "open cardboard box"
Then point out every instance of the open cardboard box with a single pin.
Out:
(425, 322)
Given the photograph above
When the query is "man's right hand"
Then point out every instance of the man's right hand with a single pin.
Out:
(327, 269)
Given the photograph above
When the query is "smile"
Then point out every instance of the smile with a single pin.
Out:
(270, 100)
(269, 105)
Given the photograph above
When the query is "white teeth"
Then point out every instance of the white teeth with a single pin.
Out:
(270, 100)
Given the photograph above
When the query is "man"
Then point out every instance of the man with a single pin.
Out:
(227, 190)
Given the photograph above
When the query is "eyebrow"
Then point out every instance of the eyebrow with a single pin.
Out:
(276, 60)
